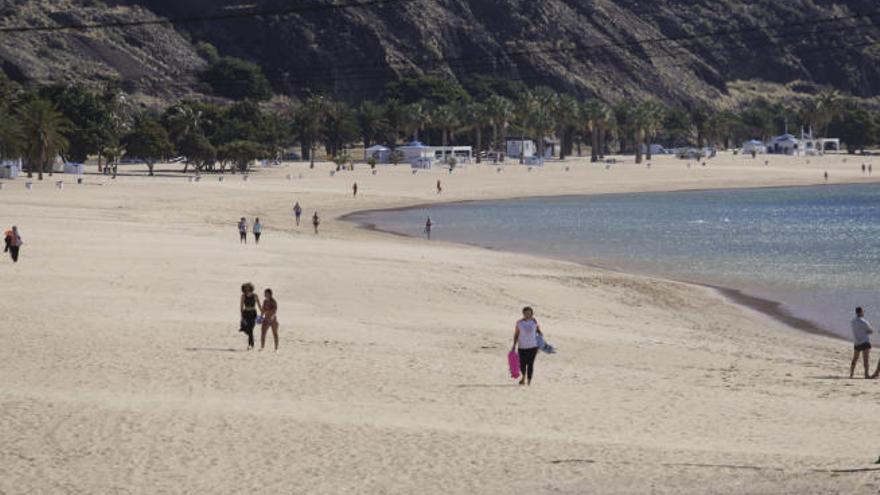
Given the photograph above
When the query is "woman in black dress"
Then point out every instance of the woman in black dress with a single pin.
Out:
(250, 304)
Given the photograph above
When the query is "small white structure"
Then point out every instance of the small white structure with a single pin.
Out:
(58, 165)
(74, 168)
(785, 144)
(534, 161)
(754, 146)
(414, 151)
(10, 169)
(521, 148)
(378, 152)
(462, 154)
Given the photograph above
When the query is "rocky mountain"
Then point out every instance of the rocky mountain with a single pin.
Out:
(677, 50)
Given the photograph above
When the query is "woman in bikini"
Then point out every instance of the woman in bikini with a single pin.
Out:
(249, 305)
(270, 318)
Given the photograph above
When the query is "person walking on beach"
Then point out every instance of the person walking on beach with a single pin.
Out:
(863, 169)
(297, 212)
(870, 169)
(826, 176)
(439, 187)
(316, 221)
(525, 337)
(249, 305)
(861, 331)
(270, 318)
(242, 230)
(428, 226)
(354, 190)
(12, 241)
(258, 230)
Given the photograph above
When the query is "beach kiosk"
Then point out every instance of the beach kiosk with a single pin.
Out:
(381, 154)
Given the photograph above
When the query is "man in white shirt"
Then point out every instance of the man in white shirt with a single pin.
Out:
(861, 331)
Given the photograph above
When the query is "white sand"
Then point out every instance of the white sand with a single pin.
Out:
(122, 371)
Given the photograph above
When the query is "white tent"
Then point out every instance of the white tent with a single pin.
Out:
(415, 151)
(753, 146)
(381, 153)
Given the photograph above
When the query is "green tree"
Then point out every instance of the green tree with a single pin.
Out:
(44, 130)
(855, 126)
(372, 123)
(237, 79)
(500, 112)
(308, 123)
(148, 141)
(567, 114)
(198, 151)
(241, 153)
(338, 127)
(11, 136)
(598, 117)
(476, 118)
(651, 116)
(446, 118)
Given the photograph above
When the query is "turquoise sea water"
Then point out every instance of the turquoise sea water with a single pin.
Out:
(815, 249)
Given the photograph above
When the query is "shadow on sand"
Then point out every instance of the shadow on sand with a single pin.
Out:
(212, 349)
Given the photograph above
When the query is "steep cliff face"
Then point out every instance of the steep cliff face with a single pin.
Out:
(154, 59)
(678, 50)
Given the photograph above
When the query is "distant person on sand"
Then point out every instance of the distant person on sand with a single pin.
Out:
(250, 304)
(297, 212)
(525, 336)
(270, 319)
(12, 242)
(870, 169)
(863, 169)
(258, 230)
(428, 226)
(354, 190)
(826, 176)
(316, 221)
(861, 331)
(242, 230)
(439, 187)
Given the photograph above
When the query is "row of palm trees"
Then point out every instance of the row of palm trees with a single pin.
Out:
(40, 132)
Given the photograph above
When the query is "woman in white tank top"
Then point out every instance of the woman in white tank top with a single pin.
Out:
(525, 337)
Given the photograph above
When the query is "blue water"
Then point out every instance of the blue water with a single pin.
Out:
(815, 249)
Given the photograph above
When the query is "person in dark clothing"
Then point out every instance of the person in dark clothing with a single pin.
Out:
(12, 242)
(249, 305)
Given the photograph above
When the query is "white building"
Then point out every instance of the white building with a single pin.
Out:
(785, 144)
(462, 154)
(10, 169)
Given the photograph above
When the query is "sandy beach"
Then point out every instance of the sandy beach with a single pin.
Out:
(123, 370)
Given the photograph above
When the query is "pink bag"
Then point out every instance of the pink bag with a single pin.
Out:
(513, 362)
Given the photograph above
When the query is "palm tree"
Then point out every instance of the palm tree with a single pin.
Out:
(446, 118)
(543, 117)
(567, 113)
(651, 117)
(500, 112)
(829, 102)
(43, 129)
(523, 113)
(395, 115)
(417, 117)
(114, 153)
(311, 115)
(371, 120)
(598, 117)
(476, 118)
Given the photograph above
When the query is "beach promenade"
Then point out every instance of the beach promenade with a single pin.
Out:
(122, 369)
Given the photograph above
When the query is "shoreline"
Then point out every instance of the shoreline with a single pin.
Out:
(769, 307)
